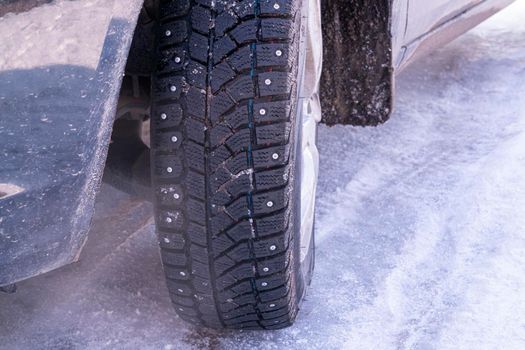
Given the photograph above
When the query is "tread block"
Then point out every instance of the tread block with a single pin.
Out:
(196, 210)
(178, 274)
(219, 134)
(199, 262)
(196, 74)
(218, 156)
(239, 141)
(241, 59)
(271, 111)
(201, 285)
(219, 178)
(168, 141)
(194, 130)
(195, 184)
(224, 263)
(275, 83)
(245, 9)
(222, 47)
(273, 264)
(228, 299)
(242, 230)
(270, 55)
(182, 300)
(238, 118)
(224, 21)
(269, 247)
(274, 133)
(196, 103)
(272, 224)
(238, 163)
(201, 19)
(197, 233)
(174, 258)
(241, 185)
(242, 320)
(172, 59)
(173, 32)
(172, 117)
(195, 156)
(220, 103)
(272, 178)
(241, 88)
(277, 29)
(169, 87)
(168, 166)
(179, 287)
(219, 223)
(240, 311)
(221, 243)
(219, 200)
(170, 219)
(270, 157)
(270, 282)
(269, 202)
(198, 47)
(277, 7)
(240, 272)
(245, 32)
(170, 195)
(221, 74)
(239, 209)
(171, 240)
(174, 8)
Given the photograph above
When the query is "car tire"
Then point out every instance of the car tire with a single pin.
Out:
(227, 157)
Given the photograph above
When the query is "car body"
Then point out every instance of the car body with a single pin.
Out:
(61, 69)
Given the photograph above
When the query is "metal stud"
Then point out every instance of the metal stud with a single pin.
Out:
(169, 220)
(176, 195)
(273, 247)
(182, 273)
(169, 169)
(167, 32)
(180, 290)
(173, 88)
(267, 81)
(262, 111)
(177, 59)
(275, 156)
(174, 139)
(166, 240)
(264, 284)
(163, 116)
(276, 6)
(278, 53)
(265, 269)
(269, 204)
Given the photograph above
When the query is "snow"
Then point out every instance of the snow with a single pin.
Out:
(419, 230)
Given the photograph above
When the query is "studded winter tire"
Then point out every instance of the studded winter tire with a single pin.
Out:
(234, 160)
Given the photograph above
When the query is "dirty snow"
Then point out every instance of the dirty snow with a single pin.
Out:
(420, 231)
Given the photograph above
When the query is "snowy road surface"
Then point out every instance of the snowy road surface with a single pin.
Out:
(420, 231)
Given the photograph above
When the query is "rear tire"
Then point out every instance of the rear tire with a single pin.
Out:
(226, 150)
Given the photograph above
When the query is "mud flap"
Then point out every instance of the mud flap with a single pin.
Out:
(357, 79)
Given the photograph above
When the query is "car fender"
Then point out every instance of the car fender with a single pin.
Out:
(61, 66)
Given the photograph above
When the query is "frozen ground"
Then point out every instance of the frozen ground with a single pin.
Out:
(420, 231)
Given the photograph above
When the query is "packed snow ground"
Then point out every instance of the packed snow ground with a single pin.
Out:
(420, 230)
